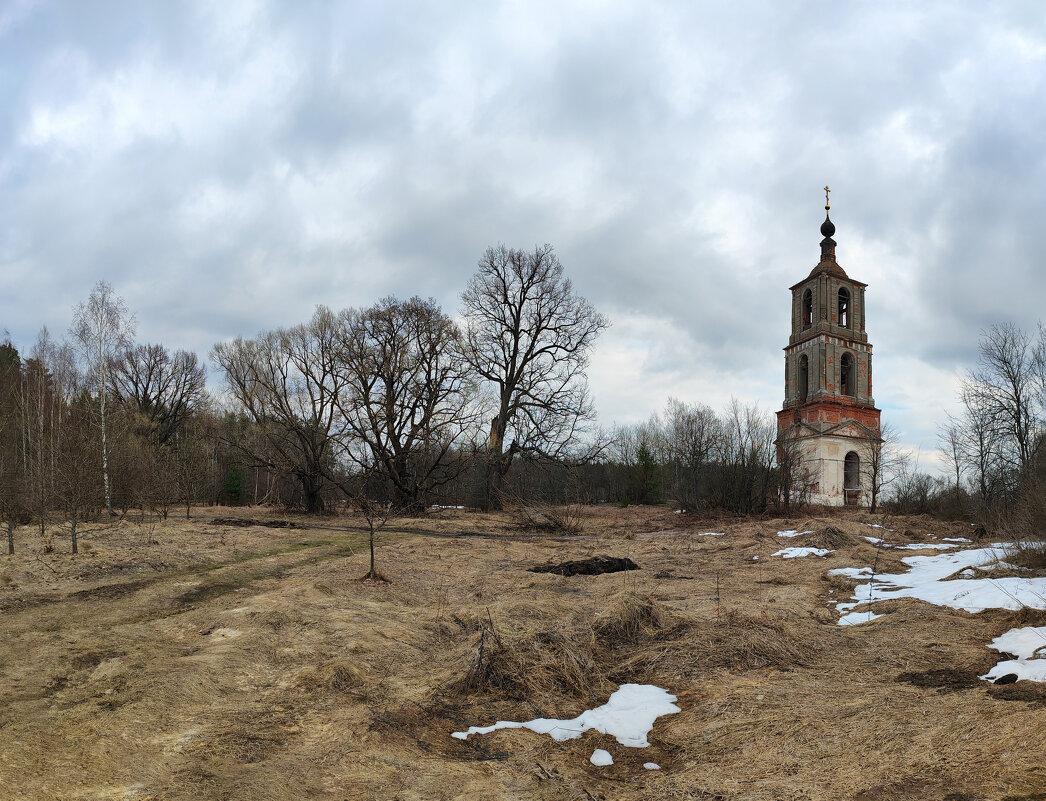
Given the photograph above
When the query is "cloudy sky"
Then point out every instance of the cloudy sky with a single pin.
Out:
(229, 165)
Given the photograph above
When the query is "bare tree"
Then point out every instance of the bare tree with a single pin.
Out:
(406, 399)
(886, 461)
(287, 382)
(102, 328)
(529, 334)
(1008, 386)
(164, 387)
(951, 439)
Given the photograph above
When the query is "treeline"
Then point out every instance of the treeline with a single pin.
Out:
(395, 404)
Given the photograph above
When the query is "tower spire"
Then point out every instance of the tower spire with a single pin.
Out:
(827, 229)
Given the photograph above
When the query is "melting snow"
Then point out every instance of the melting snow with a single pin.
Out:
(713, 534)
(853, 618)
(628, 715)
(651, 766)
(601, 758)
(795, 553)
(851, 572)
(1028, 644)
(793, 533)
(925, 581)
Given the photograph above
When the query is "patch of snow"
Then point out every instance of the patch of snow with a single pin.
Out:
(876, 525)
(795, 553)
(936, 546)
(628, 715)
(851, 572)
(924, 581)
(1028, 644)
(712, 534)
(856, 618)
(755, 558)
(600, 757)
(875, 540)
(793, 533)
(438, 506)
(957, 539)
(651, 766)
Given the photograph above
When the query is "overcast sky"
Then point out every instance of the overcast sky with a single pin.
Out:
(227, 166)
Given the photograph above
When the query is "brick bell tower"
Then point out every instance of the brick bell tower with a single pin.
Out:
(828, 431)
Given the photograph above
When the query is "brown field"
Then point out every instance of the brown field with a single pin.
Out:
(188, 660)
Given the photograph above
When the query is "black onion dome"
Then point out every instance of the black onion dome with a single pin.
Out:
(827, 227)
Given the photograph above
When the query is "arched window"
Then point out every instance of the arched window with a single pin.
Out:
(844, 307)
(808, 309)
(804, 378)
(846, 375)
(852, 478)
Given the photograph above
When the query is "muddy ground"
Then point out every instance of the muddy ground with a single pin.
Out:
(195, 660)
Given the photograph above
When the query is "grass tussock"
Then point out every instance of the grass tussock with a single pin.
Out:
(337, 675)
(631, 618)
(531, 667)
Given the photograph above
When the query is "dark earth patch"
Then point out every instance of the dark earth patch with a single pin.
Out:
(944, 679)
(593, 566)
(240, 522)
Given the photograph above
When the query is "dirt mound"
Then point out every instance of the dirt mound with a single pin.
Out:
(592, 566)
(239, 522)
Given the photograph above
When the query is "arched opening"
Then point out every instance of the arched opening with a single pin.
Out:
(808, 309)
(804, 378)
(852, 478)
(844, 307)
(846, 375)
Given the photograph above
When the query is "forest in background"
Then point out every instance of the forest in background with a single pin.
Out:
(397, 408)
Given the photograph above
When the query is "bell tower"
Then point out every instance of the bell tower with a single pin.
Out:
(828, 432)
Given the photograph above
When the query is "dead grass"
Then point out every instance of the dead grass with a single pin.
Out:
(250, 662)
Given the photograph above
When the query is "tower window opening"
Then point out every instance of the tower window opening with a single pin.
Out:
(844, 307)
(846, 369)
(808, 309)
(804, 378)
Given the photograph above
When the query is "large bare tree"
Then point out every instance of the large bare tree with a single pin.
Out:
(164, 387)
(529, 335)
(102, 328)
(287, 382)
(406, 400)
(1007, 385)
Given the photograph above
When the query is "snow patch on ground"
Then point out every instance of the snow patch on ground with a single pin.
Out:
(795, 553)
(651, 766)
(793, 533)
(628, 716)
(712, 534)
(856, 618)
(925, 581)
(851, 572)
(923, 547)
(601, 758)
(1028, 644)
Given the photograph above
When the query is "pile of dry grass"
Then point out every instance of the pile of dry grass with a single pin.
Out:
(531, 667)
(631, 618)
(337, 675)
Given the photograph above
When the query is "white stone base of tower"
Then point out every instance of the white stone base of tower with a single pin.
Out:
(819, 466)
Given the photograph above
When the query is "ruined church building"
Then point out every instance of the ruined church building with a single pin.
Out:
(828, 430)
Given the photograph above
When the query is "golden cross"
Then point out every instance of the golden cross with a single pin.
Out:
(826, 203)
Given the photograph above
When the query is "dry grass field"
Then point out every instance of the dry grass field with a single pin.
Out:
(193, 660)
